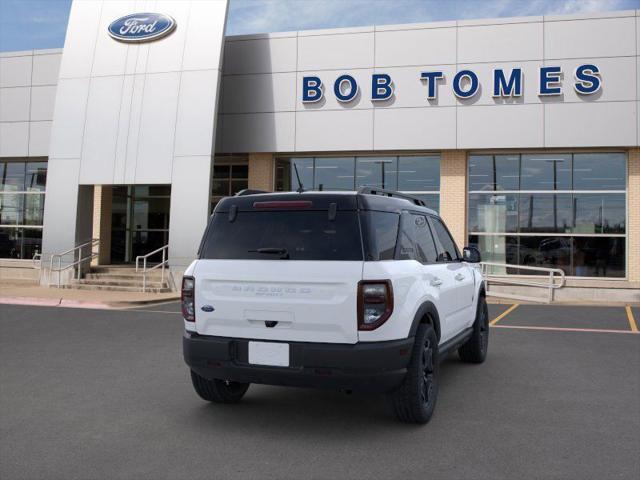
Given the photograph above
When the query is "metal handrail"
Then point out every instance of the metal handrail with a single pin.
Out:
(78, 248)
(145, 270)
(549, 283)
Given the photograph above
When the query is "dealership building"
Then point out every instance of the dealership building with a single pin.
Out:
(523, 133)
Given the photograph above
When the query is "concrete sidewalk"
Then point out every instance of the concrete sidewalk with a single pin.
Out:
(26, 294)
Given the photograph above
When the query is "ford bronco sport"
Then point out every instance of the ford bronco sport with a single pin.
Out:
(362, 291)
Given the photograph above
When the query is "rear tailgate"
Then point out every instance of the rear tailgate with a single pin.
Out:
(288, 300)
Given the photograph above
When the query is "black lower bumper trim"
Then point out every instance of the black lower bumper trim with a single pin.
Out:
(372, 367)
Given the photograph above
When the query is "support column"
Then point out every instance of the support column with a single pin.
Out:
(453, 193)
(261, 171)
(102, 204)
(633, 206)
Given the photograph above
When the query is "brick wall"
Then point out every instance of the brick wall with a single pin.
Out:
(453, 193)
(102, 199)
(261, 171)
(633, 227)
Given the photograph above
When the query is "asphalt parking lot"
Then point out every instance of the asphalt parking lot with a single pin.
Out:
(104, 394)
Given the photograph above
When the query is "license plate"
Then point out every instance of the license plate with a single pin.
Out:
(268, 353)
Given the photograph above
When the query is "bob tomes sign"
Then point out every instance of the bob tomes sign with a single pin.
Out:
(141, 27)
(465, 84)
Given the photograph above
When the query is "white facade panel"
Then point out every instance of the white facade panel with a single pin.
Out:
(591, 124)
(39, 136)
(110, 57)
(132, 134)
(204, 38)
(157, 128)
(14, 139)
(500, 43)
(506, 126)
(14, 104)
(66, 133)
(411, 91)
(196, 107)
(260, 56)
(259, 132)
(15, 71)
(166, 55)
(332, 52)
(485, 73)
(125, 130)
(610, 37)
(190, 200)
(80, 41)
(617, 74)
(101, 130)
(43, 100)
(334, 130)
(259, 93)
(329, 100)
(412, 47)
(415, 128)
(46, 69)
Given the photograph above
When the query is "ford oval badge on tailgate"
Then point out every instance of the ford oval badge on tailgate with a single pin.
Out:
(207, 308)
(141, 27)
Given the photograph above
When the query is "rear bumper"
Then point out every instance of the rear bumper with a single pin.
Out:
(371, 367)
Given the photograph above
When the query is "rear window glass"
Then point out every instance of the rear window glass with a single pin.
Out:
(380, 233)
(295, 235)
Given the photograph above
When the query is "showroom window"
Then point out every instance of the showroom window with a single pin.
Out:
(230, 175)
(551, 210)
(22, 191)
(418, 175)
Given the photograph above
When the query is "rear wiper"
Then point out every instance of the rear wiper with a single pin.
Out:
(283, 252)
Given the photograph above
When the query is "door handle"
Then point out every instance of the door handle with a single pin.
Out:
(459, 277)
(436, 282)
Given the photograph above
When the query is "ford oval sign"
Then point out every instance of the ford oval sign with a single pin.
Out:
(141, 27)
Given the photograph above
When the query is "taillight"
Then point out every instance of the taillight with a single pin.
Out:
(375, 303)
(188, 299)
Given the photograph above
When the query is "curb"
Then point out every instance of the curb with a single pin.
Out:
(67, 303)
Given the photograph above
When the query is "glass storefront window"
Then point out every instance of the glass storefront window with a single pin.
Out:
(525, 222)
(494, 172)
(600, 213)
(418, 175)
(543, 213)
(493, 212)
(599, 171)
(545, 172)
(334, 173)
(379, 172)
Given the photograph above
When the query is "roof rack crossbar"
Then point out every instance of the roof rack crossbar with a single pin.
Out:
(391, 193)
(249, 191)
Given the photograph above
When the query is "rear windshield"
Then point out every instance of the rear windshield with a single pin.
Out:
(276, 235)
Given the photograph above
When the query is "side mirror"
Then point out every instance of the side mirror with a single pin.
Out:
(471, 255)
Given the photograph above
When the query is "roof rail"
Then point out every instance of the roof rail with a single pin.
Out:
(391, 193)
(249, 191)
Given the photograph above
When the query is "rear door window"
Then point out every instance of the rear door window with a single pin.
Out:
(416, 241)
(447, 250)
(275, 235)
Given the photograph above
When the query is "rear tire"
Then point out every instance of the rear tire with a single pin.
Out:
(218, 391)
(415, 400)
(475, 349)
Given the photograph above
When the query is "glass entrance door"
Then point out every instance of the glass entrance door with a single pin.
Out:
(139, 221)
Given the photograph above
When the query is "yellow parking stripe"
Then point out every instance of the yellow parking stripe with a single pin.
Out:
(504, 314)
(632, 321)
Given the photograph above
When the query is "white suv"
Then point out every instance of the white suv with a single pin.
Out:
(346, 290)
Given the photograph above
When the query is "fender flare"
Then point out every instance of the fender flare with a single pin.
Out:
(427, 308)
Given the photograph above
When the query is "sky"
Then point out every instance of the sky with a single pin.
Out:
(34, 24)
